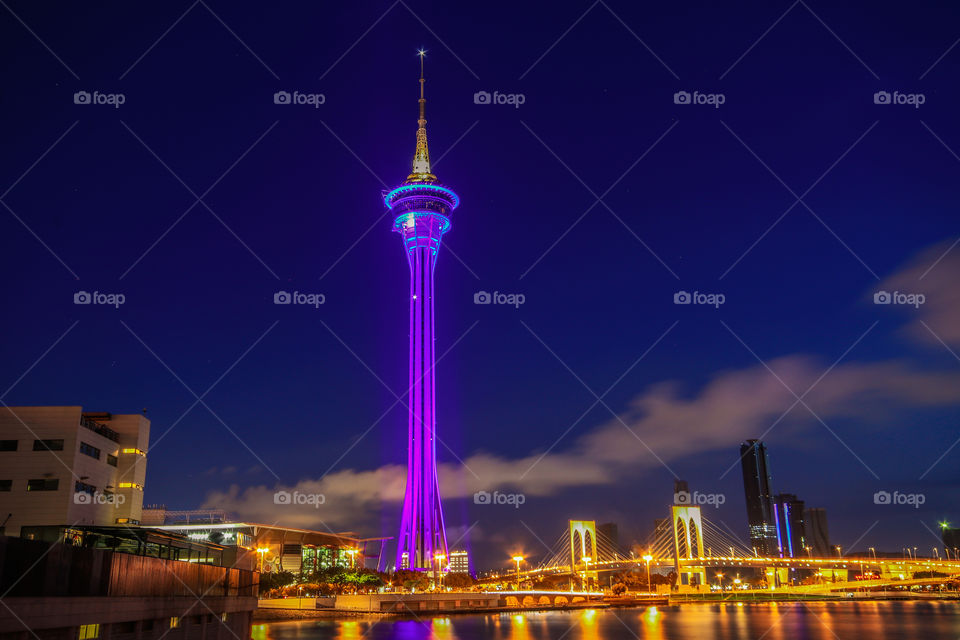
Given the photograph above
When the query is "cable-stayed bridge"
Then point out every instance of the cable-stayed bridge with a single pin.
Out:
(699, 551)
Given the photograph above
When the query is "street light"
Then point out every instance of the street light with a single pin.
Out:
(647, 558)
(518, 560)
(720, 581)
(439, 558)
(839, 551)
(261, 551)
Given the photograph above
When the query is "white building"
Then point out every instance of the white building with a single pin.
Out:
(65, 466)
(459, 562)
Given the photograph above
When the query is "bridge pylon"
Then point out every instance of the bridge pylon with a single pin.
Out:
(688, 544)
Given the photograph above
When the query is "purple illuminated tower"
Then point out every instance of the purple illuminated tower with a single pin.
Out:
(422, 208)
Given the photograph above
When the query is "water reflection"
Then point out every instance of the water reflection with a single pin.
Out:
(726, 621)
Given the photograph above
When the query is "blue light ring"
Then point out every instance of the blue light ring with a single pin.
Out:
(418, 189)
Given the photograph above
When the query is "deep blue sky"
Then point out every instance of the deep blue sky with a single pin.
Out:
(297, 211)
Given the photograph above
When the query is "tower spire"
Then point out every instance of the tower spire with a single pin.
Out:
(421, 157)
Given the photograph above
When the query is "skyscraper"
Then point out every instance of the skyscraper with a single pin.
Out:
(422, 209)
(789, 525)
(818, 536)
(756, 487)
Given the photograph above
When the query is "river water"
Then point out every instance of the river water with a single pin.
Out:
(770, 621)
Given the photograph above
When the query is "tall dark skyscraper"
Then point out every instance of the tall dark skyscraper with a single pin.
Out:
(789, 525)
(756, 487)
(818, 535)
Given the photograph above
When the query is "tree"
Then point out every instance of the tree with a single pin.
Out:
(619, 589)
(458, 580)
(275, 580)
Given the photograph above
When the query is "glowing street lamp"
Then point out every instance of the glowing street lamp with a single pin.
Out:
(720, 581)
(261, 551)
(647, 558)
(518, 560)
(439, 558)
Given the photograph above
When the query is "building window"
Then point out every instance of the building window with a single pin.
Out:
(127, 521)
(5, 485)
(48, 445)
(111, 460)
(8, 445)
(89, 631)
(43, 484)
(90, 450)
(83, 487)
(223, 617)
(130, 485)
(174, 622)
(134, 450)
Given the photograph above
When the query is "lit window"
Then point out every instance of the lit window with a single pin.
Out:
(134, 450)
(223, 617)
(174, 622)
(89, 631)
(130, 485)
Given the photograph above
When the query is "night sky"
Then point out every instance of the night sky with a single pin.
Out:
(598, 199)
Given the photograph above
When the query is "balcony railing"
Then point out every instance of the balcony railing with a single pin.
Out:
(99, 428)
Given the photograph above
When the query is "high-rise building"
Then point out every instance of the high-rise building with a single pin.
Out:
(818, 536)
(610, 533)
(756, 487)
(459, 561)
(421, 208)
(789, 525)
(67, 466)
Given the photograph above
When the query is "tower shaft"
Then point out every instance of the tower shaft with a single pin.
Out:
(422, 208)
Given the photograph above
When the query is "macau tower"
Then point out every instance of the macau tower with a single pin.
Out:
(421, 210)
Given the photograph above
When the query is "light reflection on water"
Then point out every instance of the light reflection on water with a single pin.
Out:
(725, 621)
